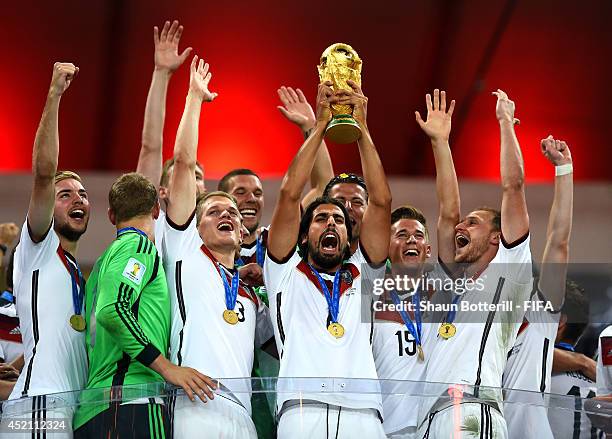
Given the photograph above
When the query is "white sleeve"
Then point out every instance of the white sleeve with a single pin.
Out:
(546, 321)
(604, 363)
(516, 258)
(369, 272)
(179, 239)
(30, 255)
(277, 273)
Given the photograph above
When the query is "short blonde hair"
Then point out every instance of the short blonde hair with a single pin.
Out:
(202, 198)
(65, 175)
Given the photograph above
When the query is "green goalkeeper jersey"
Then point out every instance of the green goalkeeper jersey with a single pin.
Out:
(127, 310)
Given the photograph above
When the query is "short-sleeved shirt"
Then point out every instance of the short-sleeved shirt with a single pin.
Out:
(54, 353)
(127, 310)
(200, 337)
(476, 355)
(301, 317)
(604, 363)
(395, 354)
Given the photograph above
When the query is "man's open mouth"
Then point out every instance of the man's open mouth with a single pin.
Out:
(248, 212)
(461, 240)
(411, 252)
(225, 226)
(330, 241)
(77, 214)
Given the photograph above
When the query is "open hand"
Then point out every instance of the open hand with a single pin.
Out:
(296, 108)
(438, 123)
(191, 381)
(199, 79)
(166, 47)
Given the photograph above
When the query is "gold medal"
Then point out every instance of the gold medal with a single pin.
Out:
(77, 322)
(230, 316)
(336, 329)
(447, 330)
(420, 353)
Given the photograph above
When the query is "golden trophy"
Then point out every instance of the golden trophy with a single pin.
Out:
(340, 63)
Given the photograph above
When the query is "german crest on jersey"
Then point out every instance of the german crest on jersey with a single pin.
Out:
(134, 271)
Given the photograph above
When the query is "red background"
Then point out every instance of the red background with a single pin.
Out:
(552, 57)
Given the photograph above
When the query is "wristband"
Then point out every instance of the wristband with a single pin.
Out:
(564, 169)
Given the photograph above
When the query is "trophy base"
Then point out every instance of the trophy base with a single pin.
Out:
(343, 128)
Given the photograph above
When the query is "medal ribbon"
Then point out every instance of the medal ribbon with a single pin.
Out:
(231, 293)
(130, 229)
(416, 302)
(259, 251)
(333, 299)
(78, 291)
(450, 317)
(565, 346)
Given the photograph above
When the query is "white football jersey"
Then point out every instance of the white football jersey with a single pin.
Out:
(604, 363)
(395, 356)
(476, 355)
(300, 316)
(568, 425)
(54, 353)
(200, 338)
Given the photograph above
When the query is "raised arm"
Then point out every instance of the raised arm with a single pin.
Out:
(46, 151)
(556, 252)
(514, 217)
(438, 127)
(182, 197)
(167, 60)
(297, 110)
(285, 225)
(376, 224)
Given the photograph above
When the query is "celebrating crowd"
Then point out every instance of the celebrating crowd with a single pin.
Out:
(194, 287)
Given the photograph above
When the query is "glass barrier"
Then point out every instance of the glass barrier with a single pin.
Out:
(313, 407)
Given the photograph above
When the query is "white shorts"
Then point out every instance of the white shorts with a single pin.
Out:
(51, 413)
(324, 421)
(218, 418)
(527, 421)
(468, 420)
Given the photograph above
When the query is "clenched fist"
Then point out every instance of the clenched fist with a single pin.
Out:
(504, 110)
(556, 151)
(63, 74)
(8, 233)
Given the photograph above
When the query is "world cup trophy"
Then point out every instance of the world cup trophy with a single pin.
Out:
(340, 63)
